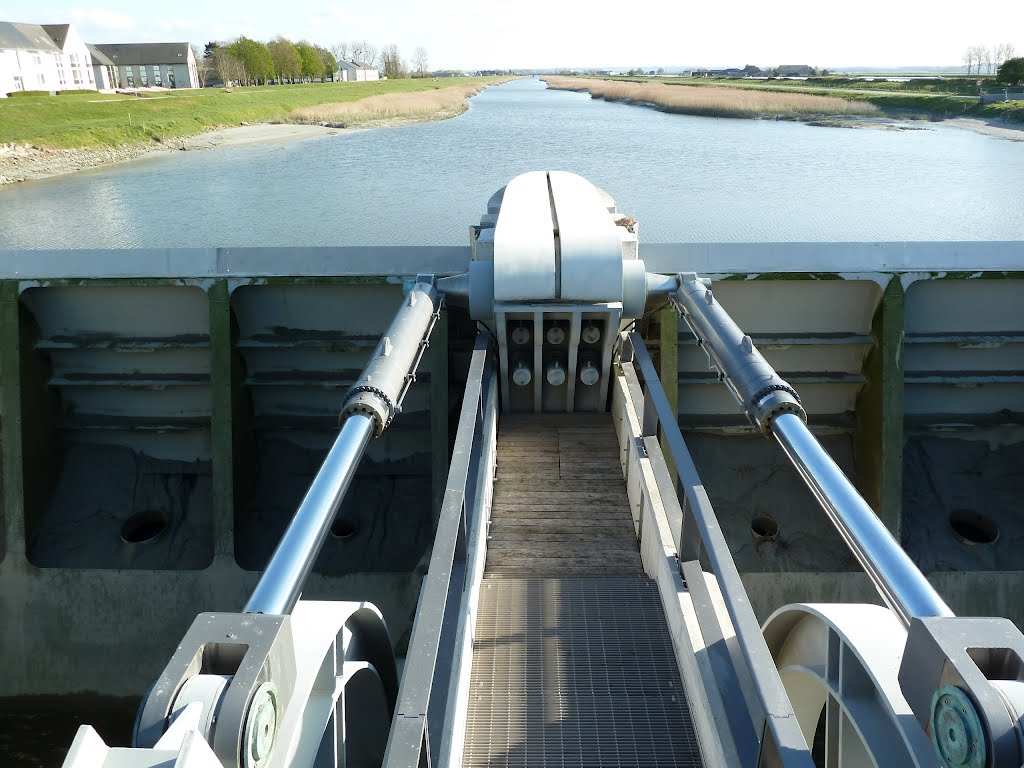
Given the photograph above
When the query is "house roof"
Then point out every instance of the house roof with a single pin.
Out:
(357, 65)
(98, 57)
(57, 32)
(25, 37)
(133, 54)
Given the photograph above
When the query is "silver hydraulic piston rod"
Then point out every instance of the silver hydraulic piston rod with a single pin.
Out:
(773, 406)
(369, 407)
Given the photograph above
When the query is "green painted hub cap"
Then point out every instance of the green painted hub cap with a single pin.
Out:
(956, 729)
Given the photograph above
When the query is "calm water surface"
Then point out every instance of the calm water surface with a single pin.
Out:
(687, 179)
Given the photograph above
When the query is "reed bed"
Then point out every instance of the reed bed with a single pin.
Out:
(714, 102)
(437, 104)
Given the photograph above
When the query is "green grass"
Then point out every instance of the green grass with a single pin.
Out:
(1011, 111)
(90, 119)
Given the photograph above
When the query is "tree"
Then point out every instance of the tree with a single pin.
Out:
(312, 66)
(1011, 72)
(228, 68)
(980, 53)
(363, 52)
(202, 65)
(1003, 51)
(286, 59)
(340, 51)
(257, 63)
(330, 63)
(392, 64)
(419, 60)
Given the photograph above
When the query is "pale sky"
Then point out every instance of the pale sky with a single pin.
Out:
(499, 34)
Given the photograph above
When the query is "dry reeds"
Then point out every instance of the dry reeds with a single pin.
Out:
(420, 105)
(714, 102)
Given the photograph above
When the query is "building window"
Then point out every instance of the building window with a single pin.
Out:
(143, 81)
(170, 76)
(77, 75)
(17, 83)
(42, 78)
(129, 77)
(36, 58)
(156, 75)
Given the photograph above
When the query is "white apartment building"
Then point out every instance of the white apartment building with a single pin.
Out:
(147, 65)
(43, 57)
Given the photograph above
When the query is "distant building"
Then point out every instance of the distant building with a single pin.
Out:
(141, 65)
(43, 57)
(356, 72)
(102, 69)
(796, 70)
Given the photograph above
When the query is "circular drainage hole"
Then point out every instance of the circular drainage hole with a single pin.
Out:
(144, 527)
(344, 528)
(973, 527)
(764, 528)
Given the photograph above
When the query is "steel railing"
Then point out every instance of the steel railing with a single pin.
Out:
(761, 720)
(427, 680)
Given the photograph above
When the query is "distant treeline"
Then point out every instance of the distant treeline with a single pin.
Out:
(244, 61)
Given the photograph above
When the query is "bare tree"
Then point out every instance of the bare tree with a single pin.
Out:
(979, 53)
(340, 51)
(392, 64)
(420, 61)
(1003, 51)
(228, 68)
(202, 65)
(968, 58)
(363, 52)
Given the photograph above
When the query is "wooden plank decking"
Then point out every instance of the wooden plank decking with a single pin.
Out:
(560, 506)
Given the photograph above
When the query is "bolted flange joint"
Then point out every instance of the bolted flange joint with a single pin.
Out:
(371, 402)
(774, 399)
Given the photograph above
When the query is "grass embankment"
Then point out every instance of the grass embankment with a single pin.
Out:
(444, 102)
(903, 99)
(714, 102)
(90, 119)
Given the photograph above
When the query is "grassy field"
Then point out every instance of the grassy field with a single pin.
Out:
(897, 100)
(714, 102)
(90, 119)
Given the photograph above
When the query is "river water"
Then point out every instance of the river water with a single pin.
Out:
(687, 179)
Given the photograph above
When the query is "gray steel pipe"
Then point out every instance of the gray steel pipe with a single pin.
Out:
(281, 583)
(760, 391)
(370, 405)
(379, 390)
(900, 583)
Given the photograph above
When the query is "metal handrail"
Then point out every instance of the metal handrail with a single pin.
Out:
(780, 740)
(408, 743)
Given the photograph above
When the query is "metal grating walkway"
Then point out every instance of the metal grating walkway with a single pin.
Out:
(571, 670)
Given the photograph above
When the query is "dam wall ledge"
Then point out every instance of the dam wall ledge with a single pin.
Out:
(851, 260)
